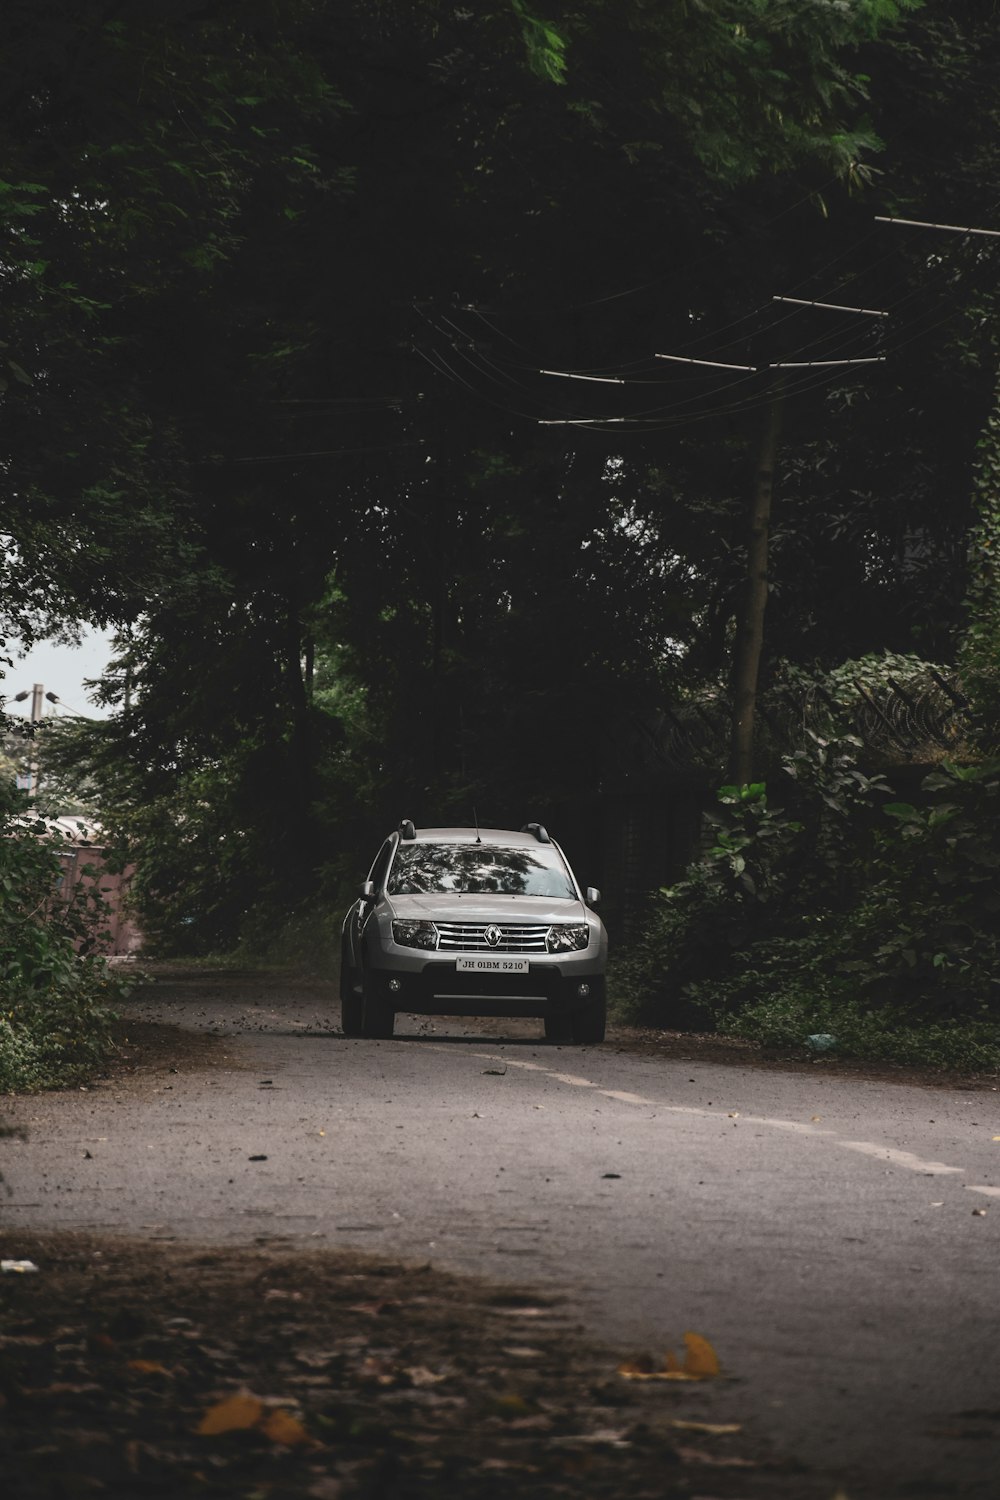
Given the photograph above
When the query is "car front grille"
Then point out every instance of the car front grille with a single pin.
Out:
(470, 937)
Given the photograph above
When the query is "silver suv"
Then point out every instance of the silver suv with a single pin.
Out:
(474, 921)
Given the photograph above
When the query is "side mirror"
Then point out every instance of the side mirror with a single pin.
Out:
(367, 890)
(593, 896)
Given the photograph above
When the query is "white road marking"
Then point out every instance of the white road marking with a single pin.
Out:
(866, 1148)
(900, 1158)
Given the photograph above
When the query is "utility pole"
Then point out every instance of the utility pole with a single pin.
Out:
(750, 621)
(37, 710)
(38, 695)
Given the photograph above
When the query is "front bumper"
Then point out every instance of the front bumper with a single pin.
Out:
(436, 988)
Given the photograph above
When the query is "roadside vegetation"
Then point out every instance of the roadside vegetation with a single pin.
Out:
(407, 386)
(834, 911)
(57, 996)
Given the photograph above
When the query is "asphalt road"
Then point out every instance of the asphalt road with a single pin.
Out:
(837, 1239)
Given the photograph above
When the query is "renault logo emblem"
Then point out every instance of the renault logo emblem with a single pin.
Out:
(493, 936)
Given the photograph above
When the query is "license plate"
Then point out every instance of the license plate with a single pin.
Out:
(493, 963)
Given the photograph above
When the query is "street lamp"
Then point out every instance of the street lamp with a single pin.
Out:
(38, 695)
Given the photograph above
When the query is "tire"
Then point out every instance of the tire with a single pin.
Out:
(558, 1028)
(352, 1004)
(378, 1017)
(590, 1022)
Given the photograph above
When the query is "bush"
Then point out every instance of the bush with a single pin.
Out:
(56, 996)
(873, 920)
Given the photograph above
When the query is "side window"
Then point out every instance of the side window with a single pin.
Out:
(380, 868)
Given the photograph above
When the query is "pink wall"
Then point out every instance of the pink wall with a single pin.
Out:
(120, 936)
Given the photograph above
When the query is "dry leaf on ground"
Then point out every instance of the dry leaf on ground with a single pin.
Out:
(700, 1363)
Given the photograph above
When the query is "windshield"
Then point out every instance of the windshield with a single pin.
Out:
(468, 869)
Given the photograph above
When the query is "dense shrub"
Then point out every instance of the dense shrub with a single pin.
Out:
(843, 913)
(56, 995)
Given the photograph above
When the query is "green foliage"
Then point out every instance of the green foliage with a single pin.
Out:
(56, 996)
(544, 44)
(294, 452)
(979, 658)
(877, 921)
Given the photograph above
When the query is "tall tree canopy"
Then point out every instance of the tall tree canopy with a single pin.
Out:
(286, 283)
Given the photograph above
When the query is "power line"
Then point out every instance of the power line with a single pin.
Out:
(809, 364)
(717, 363)
(948, 228)
(871, 312)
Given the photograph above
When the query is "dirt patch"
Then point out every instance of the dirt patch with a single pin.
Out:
(352, 1379)
(151, 1046)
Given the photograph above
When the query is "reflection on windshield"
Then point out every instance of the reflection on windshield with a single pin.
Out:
(468, 869)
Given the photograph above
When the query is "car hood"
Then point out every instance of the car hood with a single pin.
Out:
(485, 908)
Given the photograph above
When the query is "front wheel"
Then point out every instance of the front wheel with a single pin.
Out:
(590, 1022)
(558, 1028)
(352, 1004)
(378, 1018)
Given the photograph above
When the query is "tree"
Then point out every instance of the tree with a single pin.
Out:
(289, 434)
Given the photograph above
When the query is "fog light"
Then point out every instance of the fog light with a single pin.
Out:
(394, 986)
(583, 990)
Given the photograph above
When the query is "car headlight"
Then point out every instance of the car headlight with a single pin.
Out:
(415, 934)
(563, 939)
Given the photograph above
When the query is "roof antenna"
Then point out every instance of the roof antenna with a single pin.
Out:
(475, 819)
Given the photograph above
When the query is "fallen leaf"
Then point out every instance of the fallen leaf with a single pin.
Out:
(700, 1359)
(700, 1363)
(148, 1367)
(281, 1427)
(635, 1372)
(419, 1375)
(715, 1460)
(510, 1405)
(711, 1429)
(613, 1437)
(372, 1309)
(380, 1371)
(537, 1423)
(234, 1414)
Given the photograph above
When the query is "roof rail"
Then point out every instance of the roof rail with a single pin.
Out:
(538, 830)
(407, 830)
